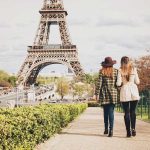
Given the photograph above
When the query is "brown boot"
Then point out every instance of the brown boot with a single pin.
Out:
(106, 131)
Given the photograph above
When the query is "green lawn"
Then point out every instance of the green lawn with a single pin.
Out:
(143, 117)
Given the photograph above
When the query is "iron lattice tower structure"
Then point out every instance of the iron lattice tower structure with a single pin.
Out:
(41, 54)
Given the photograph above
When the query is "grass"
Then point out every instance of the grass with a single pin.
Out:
(144, 116)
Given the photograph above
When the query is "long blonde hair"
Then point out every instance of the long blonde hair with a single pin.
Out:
(126, 67)
(107, 71)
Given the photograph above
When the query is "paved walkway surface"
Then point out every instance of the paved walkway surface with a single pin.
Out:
(86, 133)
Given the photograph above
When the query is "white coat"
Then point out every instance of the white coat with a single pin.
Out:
(129, 90)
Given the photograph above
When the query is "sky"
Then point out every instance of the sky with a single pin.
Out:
(99, 28)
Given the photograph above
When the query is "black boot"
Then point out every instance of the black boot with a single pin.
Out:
(133, 123)
(129, 133)
(127, 124)
(110, 133)
(133, 132)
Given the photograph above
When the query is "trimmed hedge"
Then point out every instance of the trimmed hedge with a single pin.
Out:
(25, 127)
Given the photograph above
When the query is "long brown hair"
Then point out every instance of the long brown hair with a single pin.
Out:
(126, 67)
(107, 71)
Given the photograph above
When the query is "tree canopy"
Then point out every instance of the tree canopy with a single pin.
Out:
(143, 67)
(7, 80)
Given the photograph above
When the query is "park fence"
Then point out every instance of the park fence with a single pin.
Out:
(143, 108)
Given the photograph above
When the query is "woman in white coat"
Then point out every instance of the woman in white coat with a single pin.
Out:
(129, 95)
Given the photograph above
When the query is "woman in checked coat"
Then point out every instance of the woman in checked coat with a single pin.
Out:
(107, 91)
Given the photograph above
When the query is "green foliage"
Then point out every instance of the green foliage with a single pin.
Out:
(90, 79)
(12, 80)
(78, 89)
(3, 76)
(23, 128)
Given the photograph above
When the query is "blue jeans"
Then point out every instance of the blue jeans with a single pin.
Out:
(109, 116)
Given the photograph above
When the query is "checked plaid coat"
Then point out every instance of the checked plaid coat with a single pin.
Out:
(106, 88)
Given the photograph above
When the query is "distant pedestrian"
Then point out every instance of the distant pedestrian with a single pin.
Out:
(106, 89)
(129, 95)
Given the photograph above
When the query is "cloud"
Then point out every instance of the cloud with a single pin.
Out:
(128, 43)
(117, 21)
(16, 37)
(146, 19)
(11, 57)
(78, 22)
(21, 25)
(12, 50)
(4, 25)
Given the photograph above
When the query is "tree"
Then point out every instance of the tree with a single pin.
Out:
(87, 86)
(3, 76)
(62, 87)
(4, 84)
(143, 67)
(7, 80)
(90, 90)
(90, 78)
(78, 89)
(12, 80)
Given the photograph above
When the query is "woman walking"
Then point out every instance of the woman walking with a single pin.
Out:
(129, 95)
(107, 90)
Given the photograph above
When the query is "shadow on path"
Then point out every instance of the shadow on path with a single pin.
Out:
(87, 134)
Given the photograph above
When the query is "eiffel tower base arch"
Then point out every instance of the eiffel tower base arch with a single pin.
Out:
(38, 59)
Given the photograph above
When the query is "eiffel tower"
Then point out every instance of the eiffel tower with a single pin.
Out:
(41, 54)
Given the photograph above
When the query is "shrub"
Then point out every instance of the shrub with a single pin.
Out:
(25, 127)
(93, 104)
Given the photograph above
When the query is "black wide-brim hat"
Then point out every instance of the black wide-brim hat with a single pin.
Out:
(108, 62)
